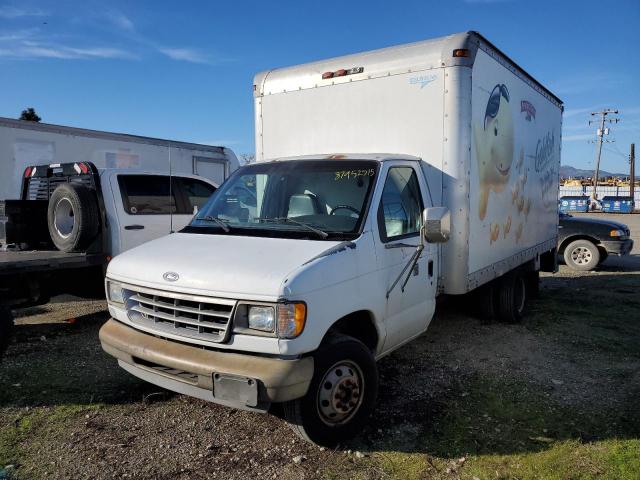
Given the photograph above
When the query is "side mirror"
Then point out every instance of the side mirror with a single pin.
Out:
(436, 224)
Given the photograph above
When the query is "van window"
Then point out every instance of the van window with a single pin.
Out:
(400, 212)
(147, 194)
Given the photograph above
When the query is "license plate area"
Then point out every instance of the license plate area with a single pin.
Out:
(235, 389)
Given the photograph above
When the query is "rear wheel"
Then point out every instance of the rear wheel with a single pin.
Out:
(512, 297)
(73, 217)
(486, 302)
(341, 395)
(582, 255)
(6, 329)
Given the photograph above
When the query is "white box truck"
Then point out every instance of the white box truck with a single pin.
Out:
(72, 198)
(384, 179)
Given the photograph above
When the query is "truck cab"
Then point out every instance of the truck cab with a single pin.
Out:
(261, 270)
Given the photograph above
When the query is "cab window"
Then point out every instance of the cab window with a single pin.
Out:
(156, 195)
(400, 211)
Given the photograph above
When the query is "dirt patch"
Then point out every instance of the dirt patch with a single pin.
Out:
(569, 373)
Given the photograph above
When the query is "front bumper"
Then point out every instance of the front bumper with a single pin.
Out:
(245, 381)
(618, 247)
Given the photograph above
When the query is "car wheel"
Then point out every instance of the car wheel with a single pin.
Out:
(341, 396)
(582, 255)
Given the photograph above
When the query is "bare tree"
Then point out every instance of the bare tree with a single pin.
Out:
(247, 158)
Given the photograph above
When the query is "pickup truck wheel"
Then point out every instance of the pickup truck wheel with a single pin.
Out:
(6, 329)
(512, 297)
(73, 217)
(341, 395)
(582, 255)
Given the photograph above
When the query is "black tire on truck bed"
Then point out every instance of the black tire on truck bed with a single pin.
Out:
(6, 329)
(73, 217)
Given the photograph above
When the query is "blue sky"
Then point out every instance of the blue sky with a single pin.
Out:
(184, 70)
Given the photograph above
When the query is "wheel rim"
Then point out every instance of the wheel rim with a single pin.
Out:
(340, 393)
(520, 294)
(63, 219)
(581, 255)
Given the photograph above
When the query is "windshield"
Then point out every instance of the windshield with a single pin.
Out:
(298, 198)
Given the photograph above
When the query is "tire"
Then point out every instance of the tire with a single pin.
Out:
(73, 217)
(533, 285)
(582, 255)
(6, 329)
(512, 297)
(343, 366)
(487, 305)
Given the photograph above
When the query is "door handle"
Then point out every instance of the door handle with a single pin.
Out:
(134, 227)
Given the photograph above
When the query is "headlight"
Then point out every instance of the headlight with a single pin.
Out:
(291, 319)
(114, 292)
(262, 318)
(283, 320)
(616, 233)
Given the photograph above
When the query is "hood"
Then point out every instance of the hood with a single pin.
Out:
(595, 221)
(217, 265)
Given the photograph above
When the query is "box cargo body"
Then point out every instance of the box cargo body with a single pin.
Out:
(488, 134)
(24, 144)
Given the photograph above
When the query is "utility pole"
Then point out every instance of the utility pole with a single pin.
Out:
(601, 133)
(632, 174)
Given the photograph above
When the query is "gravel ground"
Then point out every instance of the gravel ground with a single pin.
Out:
(68, 411)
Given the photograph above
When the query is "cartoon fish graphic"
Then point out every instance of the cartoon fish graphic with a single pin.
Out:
(494, 146)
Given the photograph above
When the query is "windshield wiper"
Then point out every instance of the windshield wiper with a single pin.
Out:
(217, 220)
(315, 230)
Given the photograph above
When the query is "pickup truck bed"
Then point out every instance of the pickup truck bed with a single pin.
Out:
(42, 260)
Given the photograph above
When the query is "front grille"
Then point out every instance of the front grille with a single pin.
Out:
(202, 318)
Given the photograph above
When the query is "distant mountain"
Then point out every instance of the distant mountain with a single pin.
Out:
(567, 171)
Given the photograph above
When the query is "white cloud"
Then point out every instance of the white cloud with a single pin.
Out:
(185, 55)
(121, 21)
(27, 50)
(15, 12)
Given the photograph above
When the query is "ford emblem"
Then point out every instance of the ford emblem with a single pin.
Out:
(171, 276)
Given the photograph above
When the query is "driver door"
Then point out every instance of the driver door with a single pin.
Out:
(399, 219)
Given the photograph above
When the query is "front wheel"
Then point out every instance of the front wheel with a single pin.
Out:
(341, 396)
(582, 255)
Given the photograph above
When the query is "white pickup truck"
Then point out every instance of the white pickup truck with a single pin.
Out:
(307, 267)
(73, 198)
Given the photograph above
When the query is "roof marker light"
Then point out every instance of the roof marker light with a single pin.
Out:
(326, 75)
(461, 52)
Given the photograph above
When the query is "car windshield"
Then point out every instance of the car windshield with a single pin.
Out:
(297, 198)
